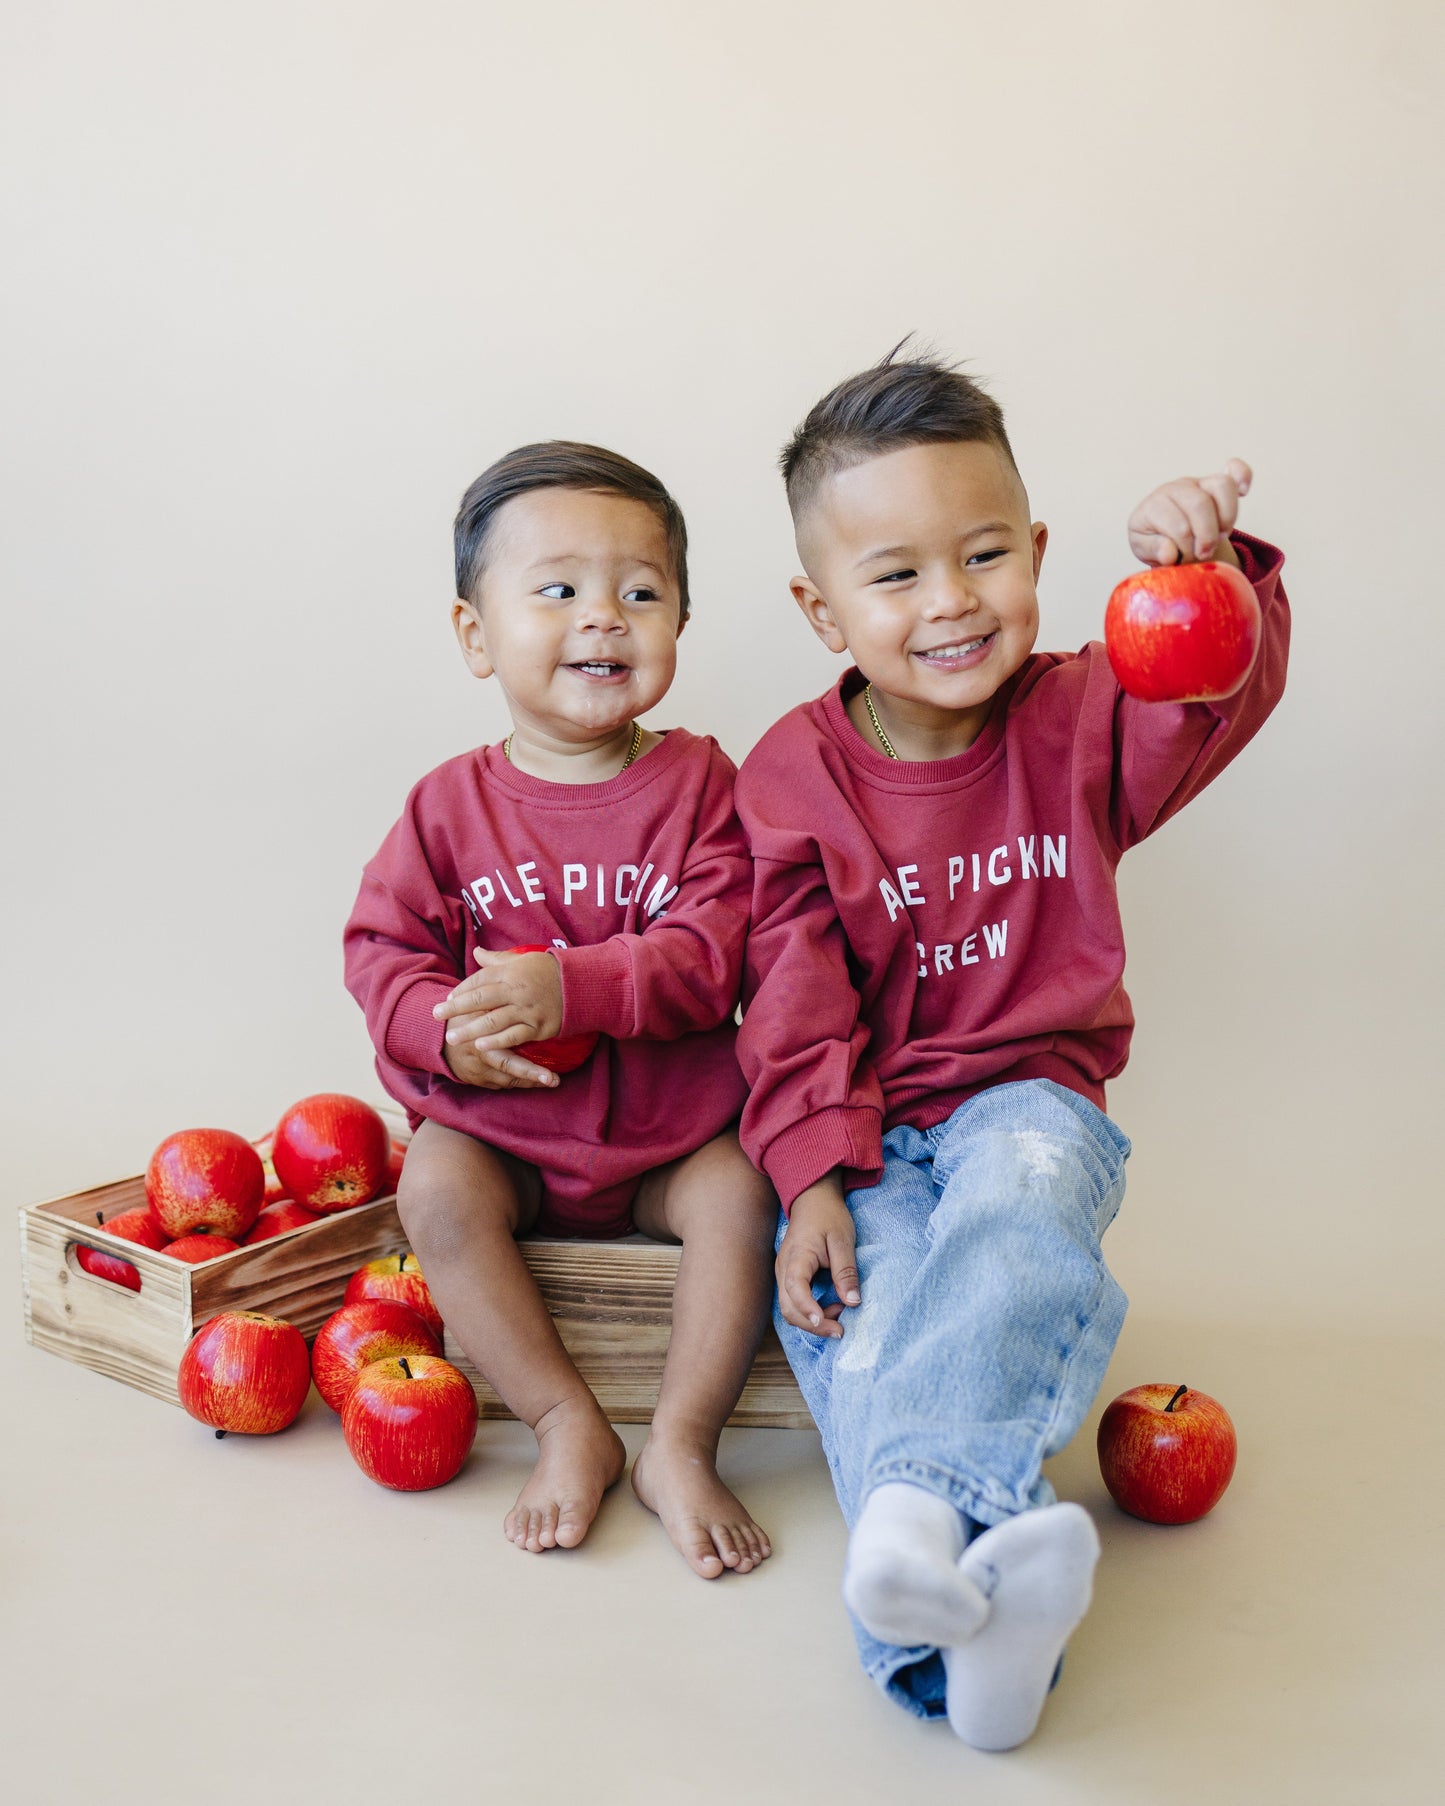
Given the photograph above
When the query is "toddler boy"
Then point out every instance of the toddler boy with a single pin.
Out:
(933, 1006)
(617, 849)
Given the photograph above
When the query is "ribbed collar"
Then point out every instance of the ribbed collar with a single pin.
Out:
(870, 760)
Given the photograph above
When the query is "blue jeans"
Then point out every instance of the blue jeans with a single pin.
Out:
(987, 1322)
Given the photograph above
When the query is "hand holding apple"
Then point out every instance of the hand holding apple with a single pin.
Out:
(503, 1023)
(1187, 630)
(1166, 1453)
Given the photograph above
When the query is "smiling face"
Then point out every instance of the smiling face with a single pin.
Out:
(922, 563)
(576, 613)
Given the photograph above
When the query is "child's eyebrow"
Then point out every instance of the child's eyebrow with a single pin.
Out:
(988, 526)
(629, 563)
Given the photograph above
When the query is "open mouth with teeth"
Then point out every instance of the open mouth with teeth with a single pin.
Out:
(601, 669)
(961, 652)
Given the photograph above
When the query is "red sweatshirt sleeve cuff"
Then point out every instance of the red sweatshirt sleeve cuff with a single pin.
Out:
(596, 989)
(414, 1037)
(847, 1135)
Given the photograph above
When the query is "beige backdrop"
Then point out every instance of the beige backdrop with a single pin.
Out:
(283, 277)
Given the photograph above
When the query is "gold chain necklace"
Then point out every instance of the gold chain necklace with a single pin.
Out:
(632, 751)
(883, 739)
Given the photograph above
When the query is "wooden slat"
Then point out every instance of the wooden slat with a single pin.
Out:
(301, 1276)
(132, 1336)
(612, 1304)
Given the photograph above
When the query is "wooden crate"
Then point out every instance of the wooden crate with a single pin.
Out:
(612, 1301)
(612, 1304)
(139, 1336)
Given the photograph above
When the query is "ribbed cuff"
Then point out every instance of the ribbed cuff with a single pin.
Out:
(414, 1037)
(848, 1135)
(596, 990)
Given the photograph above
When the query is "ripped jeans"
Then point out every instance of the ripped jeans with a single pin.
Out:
(987, 1322)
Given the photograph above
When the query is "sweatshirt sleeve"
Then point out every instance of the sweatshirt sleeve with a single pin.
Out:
(814, 1101)
(1164, 753)
(681, 973)
(403, 953)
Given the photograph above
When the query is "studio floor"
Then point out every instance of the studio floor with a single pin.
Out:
(194, 1620)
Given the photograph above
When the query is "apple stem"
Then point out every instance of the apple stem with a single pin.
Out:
(405, 1369)
(219, 1434)
(401, 1263)
(1176, 1398)
(100, 1217)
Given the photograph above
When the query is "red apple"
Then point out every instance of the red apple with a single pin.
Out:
(330, 1151)
(357, 1335)
(137, 1225)
(205, 1179)
(1183, 632)
(394, 1162)
(196, 1248)
(395, 1276)
(277, 1218)
(563, 1053)
(243, 1371)
(410, 1422)
(107, 1266)
(1166, 1453)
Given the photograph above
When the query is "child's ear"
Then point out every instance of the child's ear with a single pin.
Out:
(817, 614)
(1039, 533)
(467, 624)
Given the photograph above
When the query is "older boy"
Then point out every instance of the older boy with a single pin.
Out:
(617, 850)
(934, 1006)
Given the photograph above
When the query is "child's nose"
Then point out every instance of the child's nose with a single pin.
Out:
(950, 597)
(601, 610)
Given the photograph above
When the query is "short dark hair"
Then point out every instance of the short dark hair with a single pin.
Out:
(895, 403)
(559, 464)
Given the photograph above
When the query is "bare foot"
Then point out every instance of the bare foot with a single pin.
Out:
(708, 1525)
(579, 1455)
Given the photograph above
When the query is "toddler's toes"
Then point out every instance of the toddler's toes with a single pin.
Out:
(547, 1536)
(726, 1545)
(698, 1548)
(569, 1523)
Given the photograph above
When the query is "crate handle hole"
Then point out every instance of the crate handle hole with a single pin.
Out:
(72, 1260)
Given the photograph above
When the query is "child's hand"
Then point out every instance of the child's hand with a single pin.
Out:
(495, 1070)
(1189, 520)
(819, 1235)
(515, 998)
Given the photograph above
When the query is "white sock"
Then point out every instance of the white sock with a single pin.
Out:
(902, 1580)
(1037, 1572)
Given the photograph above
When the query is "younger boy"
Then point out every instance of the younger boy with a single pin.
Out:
(934, 1005)
(616, 849)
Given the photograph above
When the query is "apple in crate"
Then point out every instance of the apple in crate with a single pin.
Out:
(395, 1276)
(357, 1335)
(563, 1053)
(330, 1151)
(410, 1422)
(193, 1249)
(206, 1179)
(245, 1371)
(277, 1218)
(136, 1225)
(1166, 1452)
(1183, 632)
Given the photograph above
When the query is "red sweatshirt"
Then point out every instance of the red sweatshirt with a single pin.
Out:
(922, 930)
(641, 885)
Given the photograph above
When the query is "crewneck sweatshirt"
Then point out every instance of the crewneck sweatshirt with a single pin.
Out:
(924, 929)
(640, 886)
